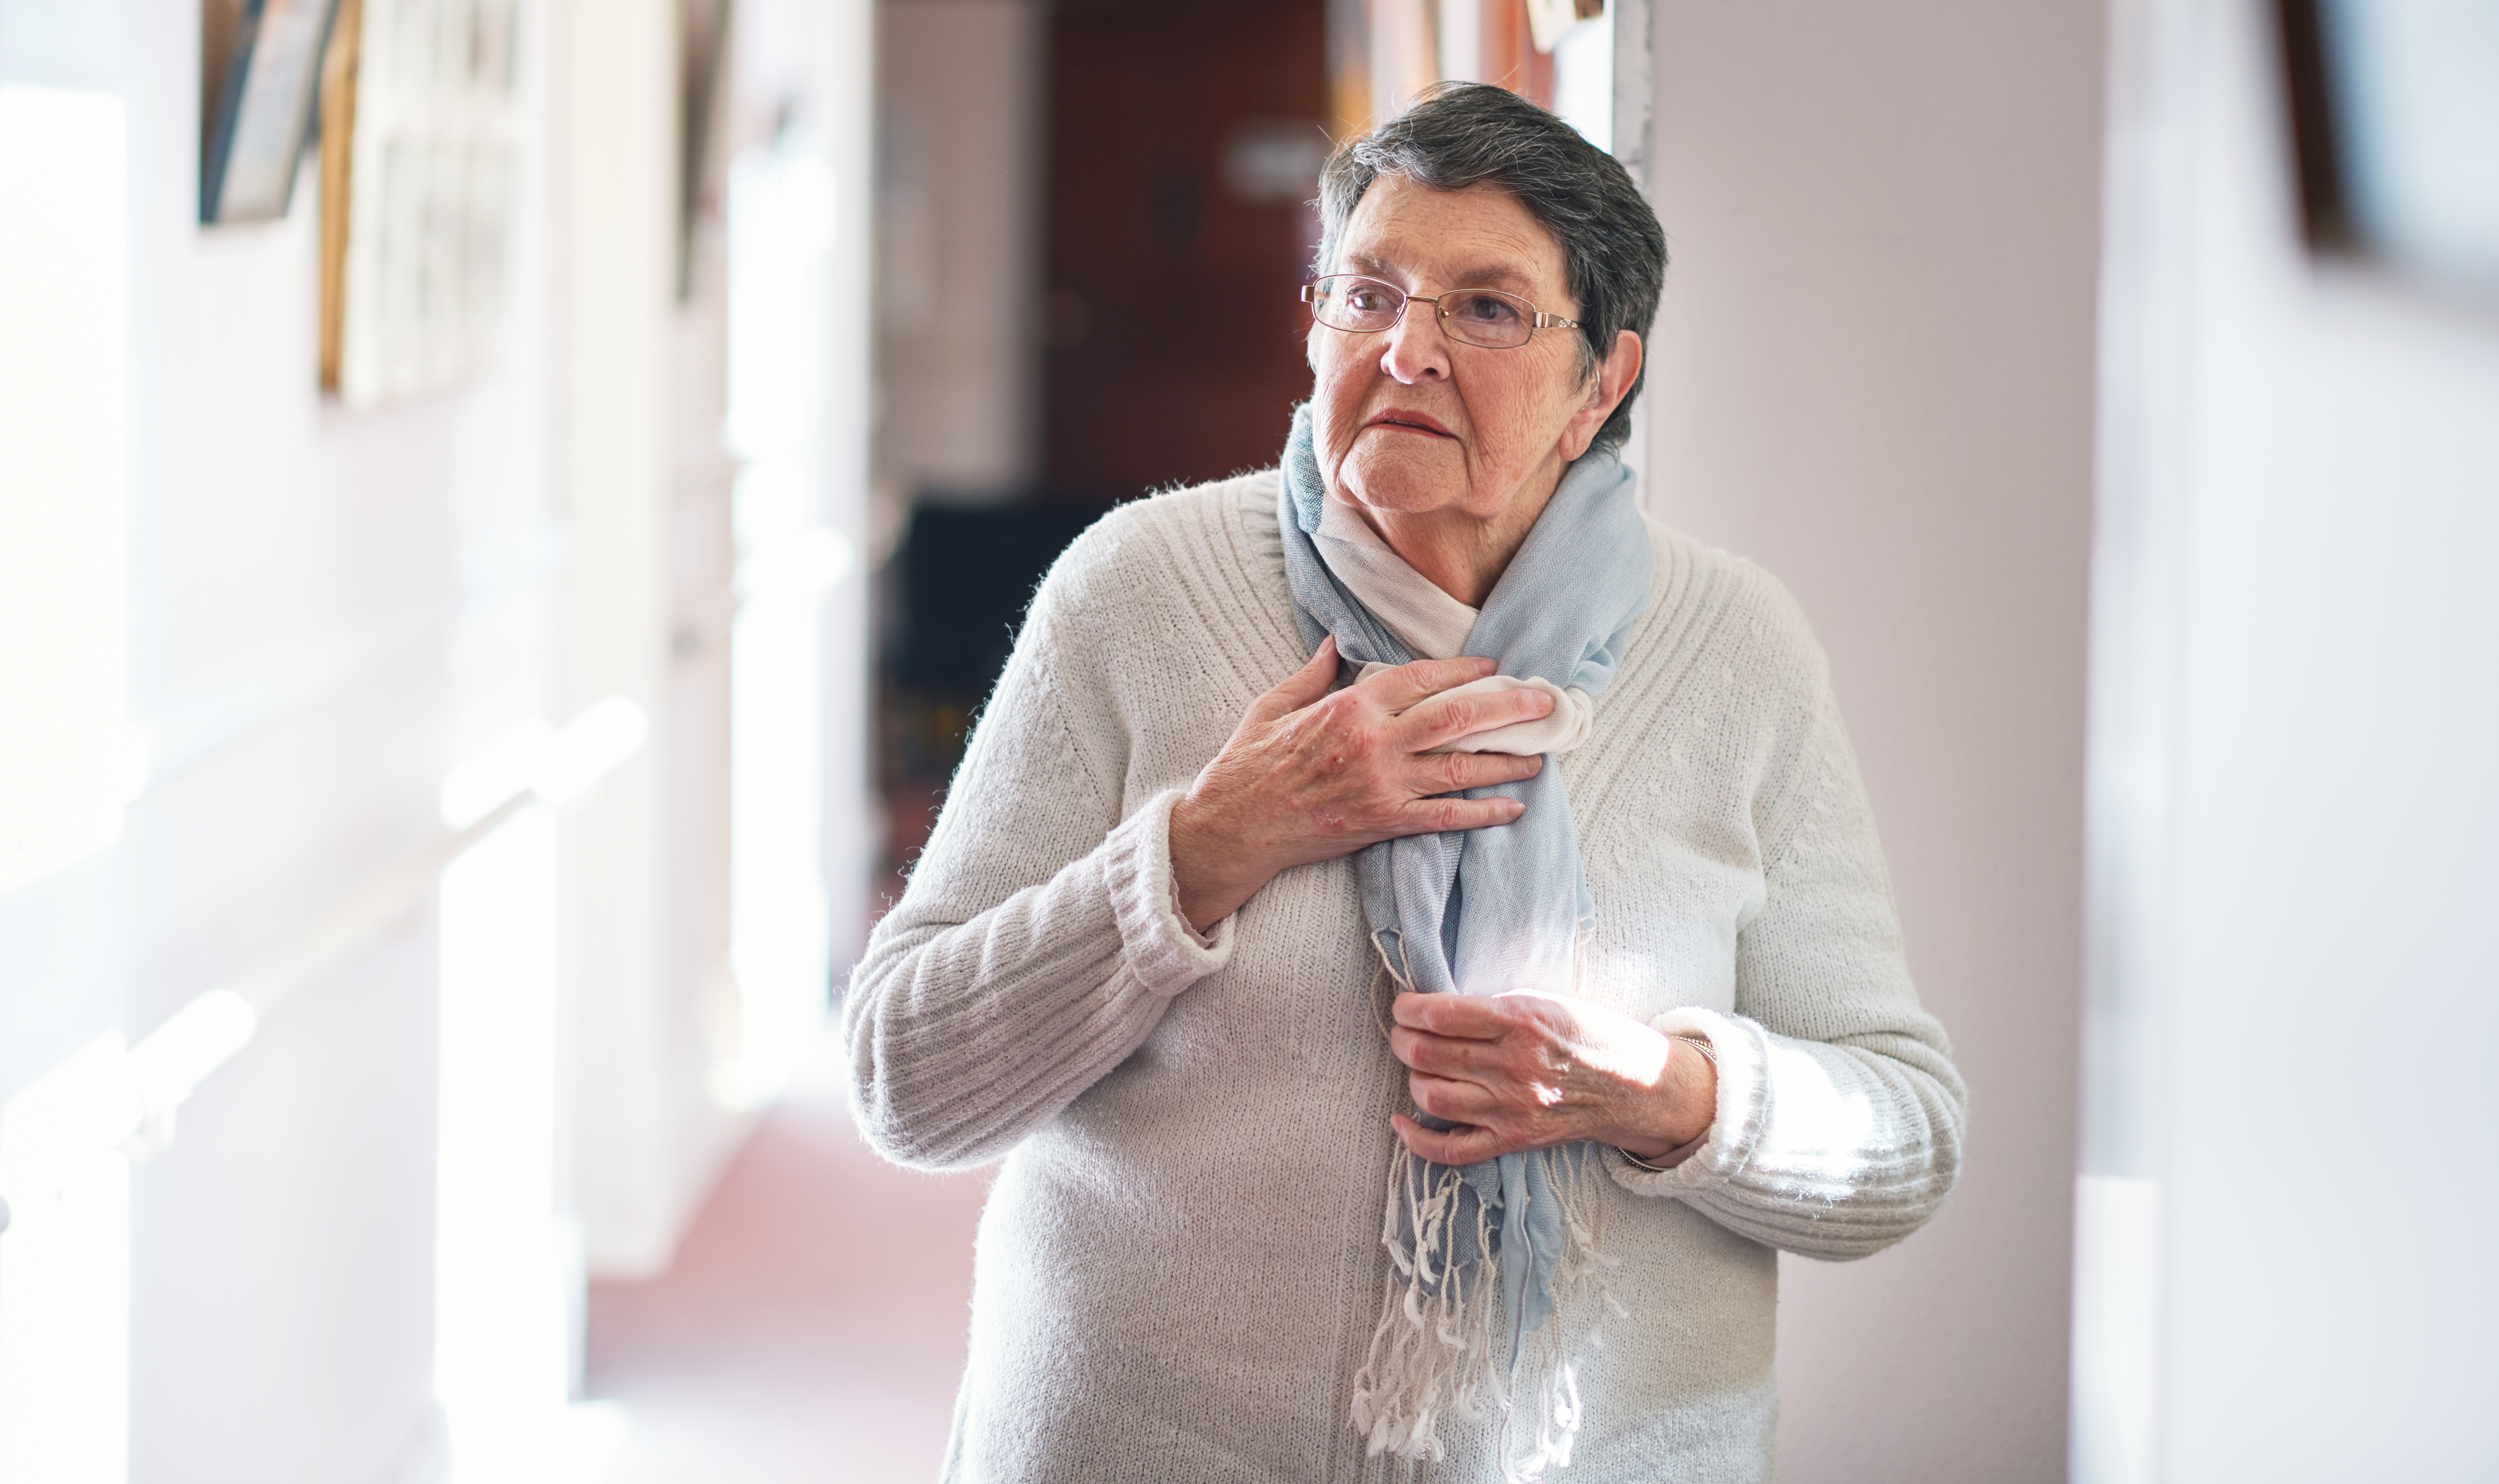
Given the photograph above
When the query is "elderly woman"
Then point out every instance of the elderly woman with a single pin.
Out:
(1413, 927)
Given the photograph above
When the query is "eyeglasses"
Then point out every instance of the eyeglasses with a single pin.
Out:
(1486, 317)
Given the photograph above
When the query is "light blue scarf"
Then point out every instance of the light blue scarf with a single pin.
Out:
(1482, 912)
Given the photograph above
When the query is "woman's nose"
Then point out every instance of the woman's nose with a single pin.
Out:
(1416, 349)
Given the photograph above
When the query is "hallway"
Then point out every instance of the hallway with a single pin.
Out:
(508, 509)
(812, 1328)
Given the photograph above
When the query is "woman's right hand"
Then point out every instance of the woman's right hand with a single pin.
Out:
(1309, 776)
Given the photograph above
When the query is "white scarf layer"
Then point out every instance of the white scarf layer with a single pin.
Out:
(1435, 626)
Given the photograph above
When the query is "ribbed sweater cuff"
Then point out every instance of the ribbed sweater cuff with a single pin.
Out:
(1743, 1054)
(1163, 953)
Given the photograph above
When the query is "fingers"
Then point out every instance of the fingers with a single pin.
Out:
(1452, 1099)
(1454, 773)
(1407, 685)
(1449, 716)
(1332, 773)
(1466, 1016)
(1433, 815)
(1440, 1056)
(1465, 1068)
(1305, 687)
(1464, 1145)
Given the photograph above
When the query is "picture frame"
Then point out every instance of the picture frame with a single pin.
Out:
(419, 128)
(264, 108)
(2395, 134)
(703, 32)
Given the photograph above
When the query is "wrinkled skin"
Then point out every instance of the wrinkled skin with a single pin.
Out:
(1523, 1071)
(1451, 451)
(1309, 776)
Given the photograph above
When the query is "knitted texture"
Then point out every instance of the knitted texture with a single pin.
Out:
(1179, 1264)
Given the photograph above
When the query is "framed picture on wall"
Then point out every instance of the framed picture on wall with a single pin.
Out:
(703, 52)
(419, 131)
(263, 109)
(2395, 113)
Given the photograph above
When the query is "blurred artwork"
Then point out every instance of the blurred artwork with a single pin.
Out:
(1276, 161)
(1383, 52)
(417, 158)
(263, 105)
(1547, 19)
(2394, 107)
(703, 45)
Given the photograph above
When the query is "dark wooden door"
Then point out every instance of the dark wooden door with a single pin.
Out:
(1185, 141)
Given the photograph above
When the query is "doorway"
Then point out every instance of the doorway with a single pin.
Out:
(1186, 141)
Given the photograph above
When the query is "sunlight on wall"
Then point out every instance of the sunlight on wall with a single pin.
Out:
(501, 1261)
(2117, 1330)
(781, 206)
(560, 767)
(65, 1275)
(69, 759)
(67, 1142)
(507, 1251)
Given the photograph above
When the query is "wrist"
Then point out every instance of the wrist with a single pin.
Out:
(1211, 873)
(1682, 1108)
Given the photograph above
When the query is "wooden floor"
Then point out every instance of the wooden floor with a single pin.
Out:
(813, 1327)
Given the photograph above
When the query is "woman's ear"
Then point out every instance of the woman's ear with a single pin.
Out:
(1606, 389)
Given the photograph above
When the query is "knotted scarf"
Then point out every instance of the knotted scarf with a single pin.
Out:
(1484, 912)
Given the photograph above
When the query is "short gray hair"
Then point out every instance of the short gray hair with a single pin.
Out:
(1463, 134)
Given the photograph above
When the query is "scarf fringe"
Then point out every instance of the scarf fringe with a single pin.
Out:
(1439, 1348)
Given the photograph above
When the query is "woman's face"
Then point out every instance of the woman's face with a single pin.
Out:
(1410, 422)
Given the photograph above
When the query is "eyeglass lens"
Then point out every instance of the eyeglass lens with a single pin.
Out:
(1485, 318)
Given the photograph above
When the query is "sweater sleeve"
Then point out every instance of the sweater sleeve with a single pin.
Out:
(1039, 940)
(1840, 1117)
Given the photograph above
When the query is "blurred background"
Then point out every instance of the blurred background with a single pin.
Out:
(508, 507)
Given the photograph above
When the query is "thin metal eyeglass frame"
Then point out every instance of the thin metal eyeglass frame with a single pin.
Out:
(1536, 319)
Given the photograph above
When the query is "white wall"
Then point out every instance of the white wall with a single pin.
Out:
(962, 103)
(326, 612)
(1873, 375)
(639, 465)
(817, 59)
(2295, 709)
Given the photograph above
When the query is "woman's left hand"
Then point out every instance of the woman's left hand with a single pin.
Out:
(1523, 1071)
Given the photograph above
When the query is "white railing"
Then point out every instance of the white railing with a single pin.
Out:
(67, 1140)
(125, 1103)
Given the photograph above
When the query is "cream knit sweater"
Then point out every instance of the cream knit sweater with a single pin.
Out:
(1180, 1265)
